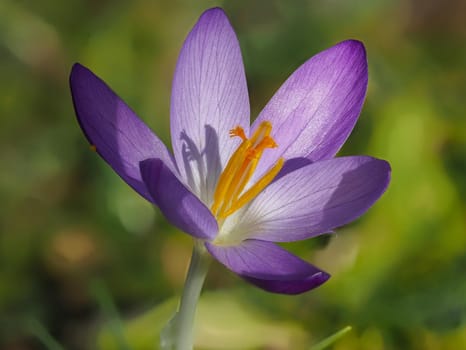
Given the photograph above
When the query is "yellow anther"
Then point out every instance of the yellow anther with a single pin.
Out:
(266, 142)
(227, 175)
(264, 129)
(93, 148)
(255, 189)
(229, 196)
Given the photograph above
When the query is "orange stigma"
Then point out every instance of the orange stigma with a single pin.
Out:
(229, 194)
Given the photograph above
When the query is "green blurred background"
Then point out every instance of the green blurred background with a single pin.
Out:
(85, 261)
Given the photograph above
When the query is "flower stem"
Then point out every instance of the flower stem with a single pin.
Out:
(184, 334)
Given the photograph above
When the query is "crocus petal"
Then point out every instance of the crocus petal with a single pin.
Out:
(312, 200)
(297, 286)
(315, 110)
(262, 260)
(115, 131)
(209, 97)
(269, 267)
(182, 208)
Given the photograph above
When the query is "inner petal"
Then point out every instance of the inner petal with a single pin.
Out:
(209, 97)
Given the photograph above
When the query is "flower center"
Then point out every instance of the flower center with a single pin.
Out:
(230, 194)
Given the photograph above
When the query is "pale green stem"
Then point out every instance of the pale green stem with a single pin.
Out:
(184, 322)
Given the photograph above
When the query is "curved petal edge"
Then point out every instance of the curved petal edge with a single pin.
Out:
(315, 110)
(262, 260)
(290, 287)
(269, 266)
(113, 129)
(314, 199)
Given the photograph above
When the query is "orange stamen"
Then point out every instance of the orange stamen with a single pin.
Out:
(229, 194)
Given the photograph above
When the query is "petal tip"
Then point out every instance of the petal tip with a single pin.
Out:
(76, 66)
(387, 168)
(322, 277)
(212, 16)
(315, 281)
(382, 172)
(76, 70)
(356, 52)
(387, 165)
(292, 287)
(80, 75)
(214, 11)
(382, 166)
(355, 45)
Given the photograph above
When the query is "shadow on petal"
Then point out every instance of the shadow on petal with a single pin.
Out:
(292, 165)
(202, 166)
(358, 189)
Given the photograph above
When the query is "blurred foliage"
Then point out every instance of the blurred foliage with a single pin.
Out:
(224, 322)
(67, 220)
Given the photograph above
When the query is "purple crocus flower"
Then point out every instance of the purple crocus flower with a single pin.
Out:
(241, 188)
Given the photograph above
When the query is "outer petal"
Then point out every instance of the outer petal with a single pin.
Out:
(269, 266)
(119, 136)
(209, 97)
(182, 208)
(291, 287)
(315, 110)
(312, 200)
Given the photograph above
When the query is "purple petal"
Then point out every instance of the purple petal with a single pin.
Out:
(209, 97)
(315, 199)
(118, 135)
(315, 110)
(297, 286)
(182, 208)
(262, 260)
